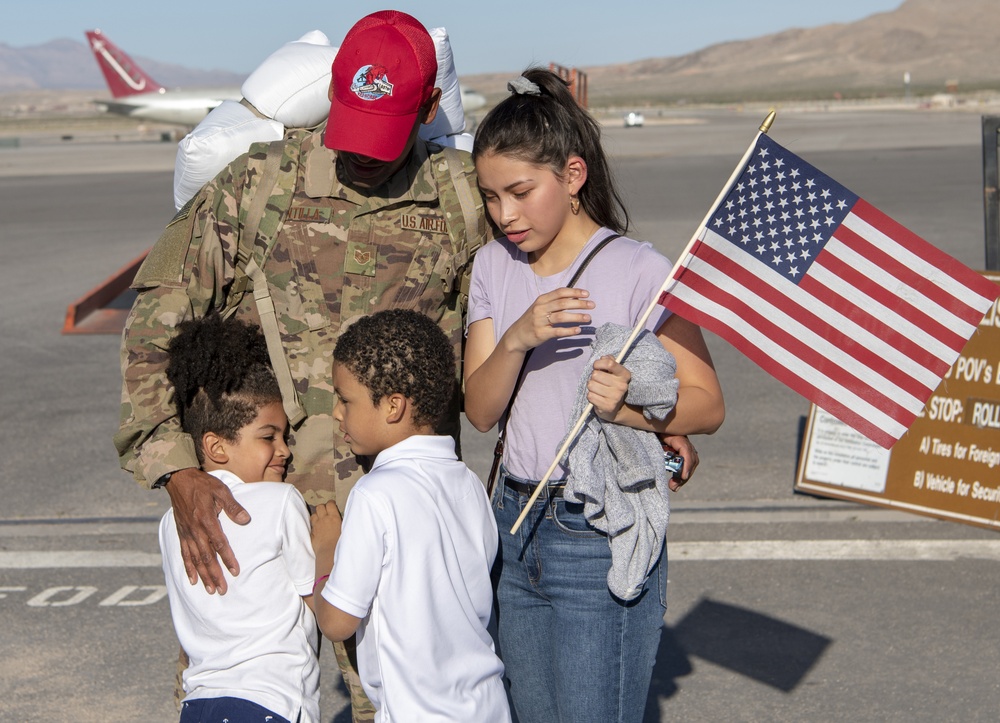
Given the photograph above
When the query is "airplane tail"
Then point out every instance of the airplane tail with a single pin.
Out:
(124, 77)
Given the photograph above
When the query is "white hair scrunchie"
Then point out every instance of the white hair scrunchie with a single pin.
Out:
(522, 86)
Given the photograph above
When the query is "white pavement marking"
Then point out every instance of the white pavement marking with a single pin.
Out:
(77, 558)
(900, 550)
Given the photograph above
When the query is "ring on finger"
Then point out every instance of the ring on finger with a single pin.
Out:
(548, 318)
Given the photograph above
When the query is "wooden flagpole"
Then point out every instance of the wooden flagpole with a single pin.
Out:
(764, 128)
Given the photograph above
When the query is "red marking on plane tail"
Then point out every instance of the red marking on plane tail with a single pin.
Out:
(123, 76)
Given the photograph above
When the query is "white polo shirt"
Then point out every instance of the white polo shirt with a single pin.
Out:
(259, 641)
(413, 562)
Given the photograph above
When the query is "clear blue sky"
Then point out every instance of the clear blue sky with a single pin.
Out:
(485, 37)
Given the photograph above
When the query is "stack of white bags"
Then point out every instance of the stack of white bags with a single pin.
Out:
(290, 88)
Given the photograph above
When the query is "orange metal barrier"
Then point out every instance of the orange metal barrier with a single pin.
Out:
(103, 309)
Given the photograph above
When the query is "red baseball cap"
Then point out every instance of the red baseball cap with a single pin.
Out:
(383, 73)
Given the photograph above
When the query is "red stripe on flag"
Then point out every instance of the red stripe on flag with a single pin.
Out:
(915, 316)
(795, 347)
(871, 323)
(785, 375)
(892, 267)
(845, 342)
(932, 255)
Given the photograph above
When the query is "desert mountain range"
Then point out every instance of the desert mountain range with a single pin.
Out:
(938, 42)
(66, 64)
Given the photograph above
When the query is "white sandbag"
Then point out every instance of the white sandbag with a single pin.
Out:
(292, 84)
(224, 134)
(450, 117)
(289, 88)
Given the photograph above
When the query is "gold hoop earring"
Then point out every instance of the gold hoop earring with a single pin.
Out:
(574, 205)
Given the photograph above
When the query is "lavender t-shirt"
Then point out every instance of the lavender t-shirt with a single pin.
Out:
(622, 279)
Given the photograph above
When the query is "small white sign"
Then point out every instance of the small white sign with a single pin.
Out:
(838, 455)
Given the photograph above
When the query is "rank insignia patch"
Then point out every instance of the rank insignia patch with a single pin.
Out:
(360, 259)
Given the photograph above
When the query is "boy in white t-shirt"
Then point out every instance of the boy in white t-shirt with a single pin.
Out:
(253, 651)
(411, 571)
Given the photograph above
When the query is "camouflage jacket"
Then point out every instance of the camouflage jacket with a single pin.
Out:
(339, 253)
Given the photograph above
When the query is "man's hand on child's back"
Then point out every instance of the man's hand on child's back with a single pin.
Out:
(197, 498)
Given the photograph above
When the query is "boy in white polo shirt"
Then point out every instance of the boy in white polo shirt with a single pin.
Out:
(411, 571)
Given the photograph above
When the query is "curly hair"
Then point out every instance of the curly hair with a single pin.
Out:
(221, 375)
(399, 351)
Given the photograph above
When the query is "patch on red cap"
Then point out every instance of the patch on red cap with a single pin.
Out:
(371, 82)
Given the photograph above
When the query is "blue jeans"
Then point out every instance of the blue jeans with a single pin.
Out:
(572, 650)
(226, 710)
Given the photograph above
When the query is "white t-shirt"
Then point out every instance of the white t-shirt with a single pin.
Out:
(622, 279)
(413, 562)
(259, 641)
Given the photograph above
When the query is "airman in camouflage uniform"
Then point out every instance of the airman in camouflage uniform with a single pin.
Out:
(340, 253)
(336, 249)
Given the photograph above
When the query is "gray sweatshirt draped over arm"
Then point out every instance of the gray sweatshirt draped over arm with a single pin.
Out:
(617, 472)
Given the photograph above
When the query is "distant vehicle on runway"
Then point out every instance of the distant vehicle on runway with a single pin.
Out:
(136, 95)
(634, 120)
(471, 99)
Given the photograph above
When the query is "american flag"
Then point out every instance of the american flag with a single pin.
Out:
(828, 294)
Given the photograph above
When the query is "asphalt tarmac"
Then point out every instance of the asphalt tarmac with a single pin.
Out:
(760, 626)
